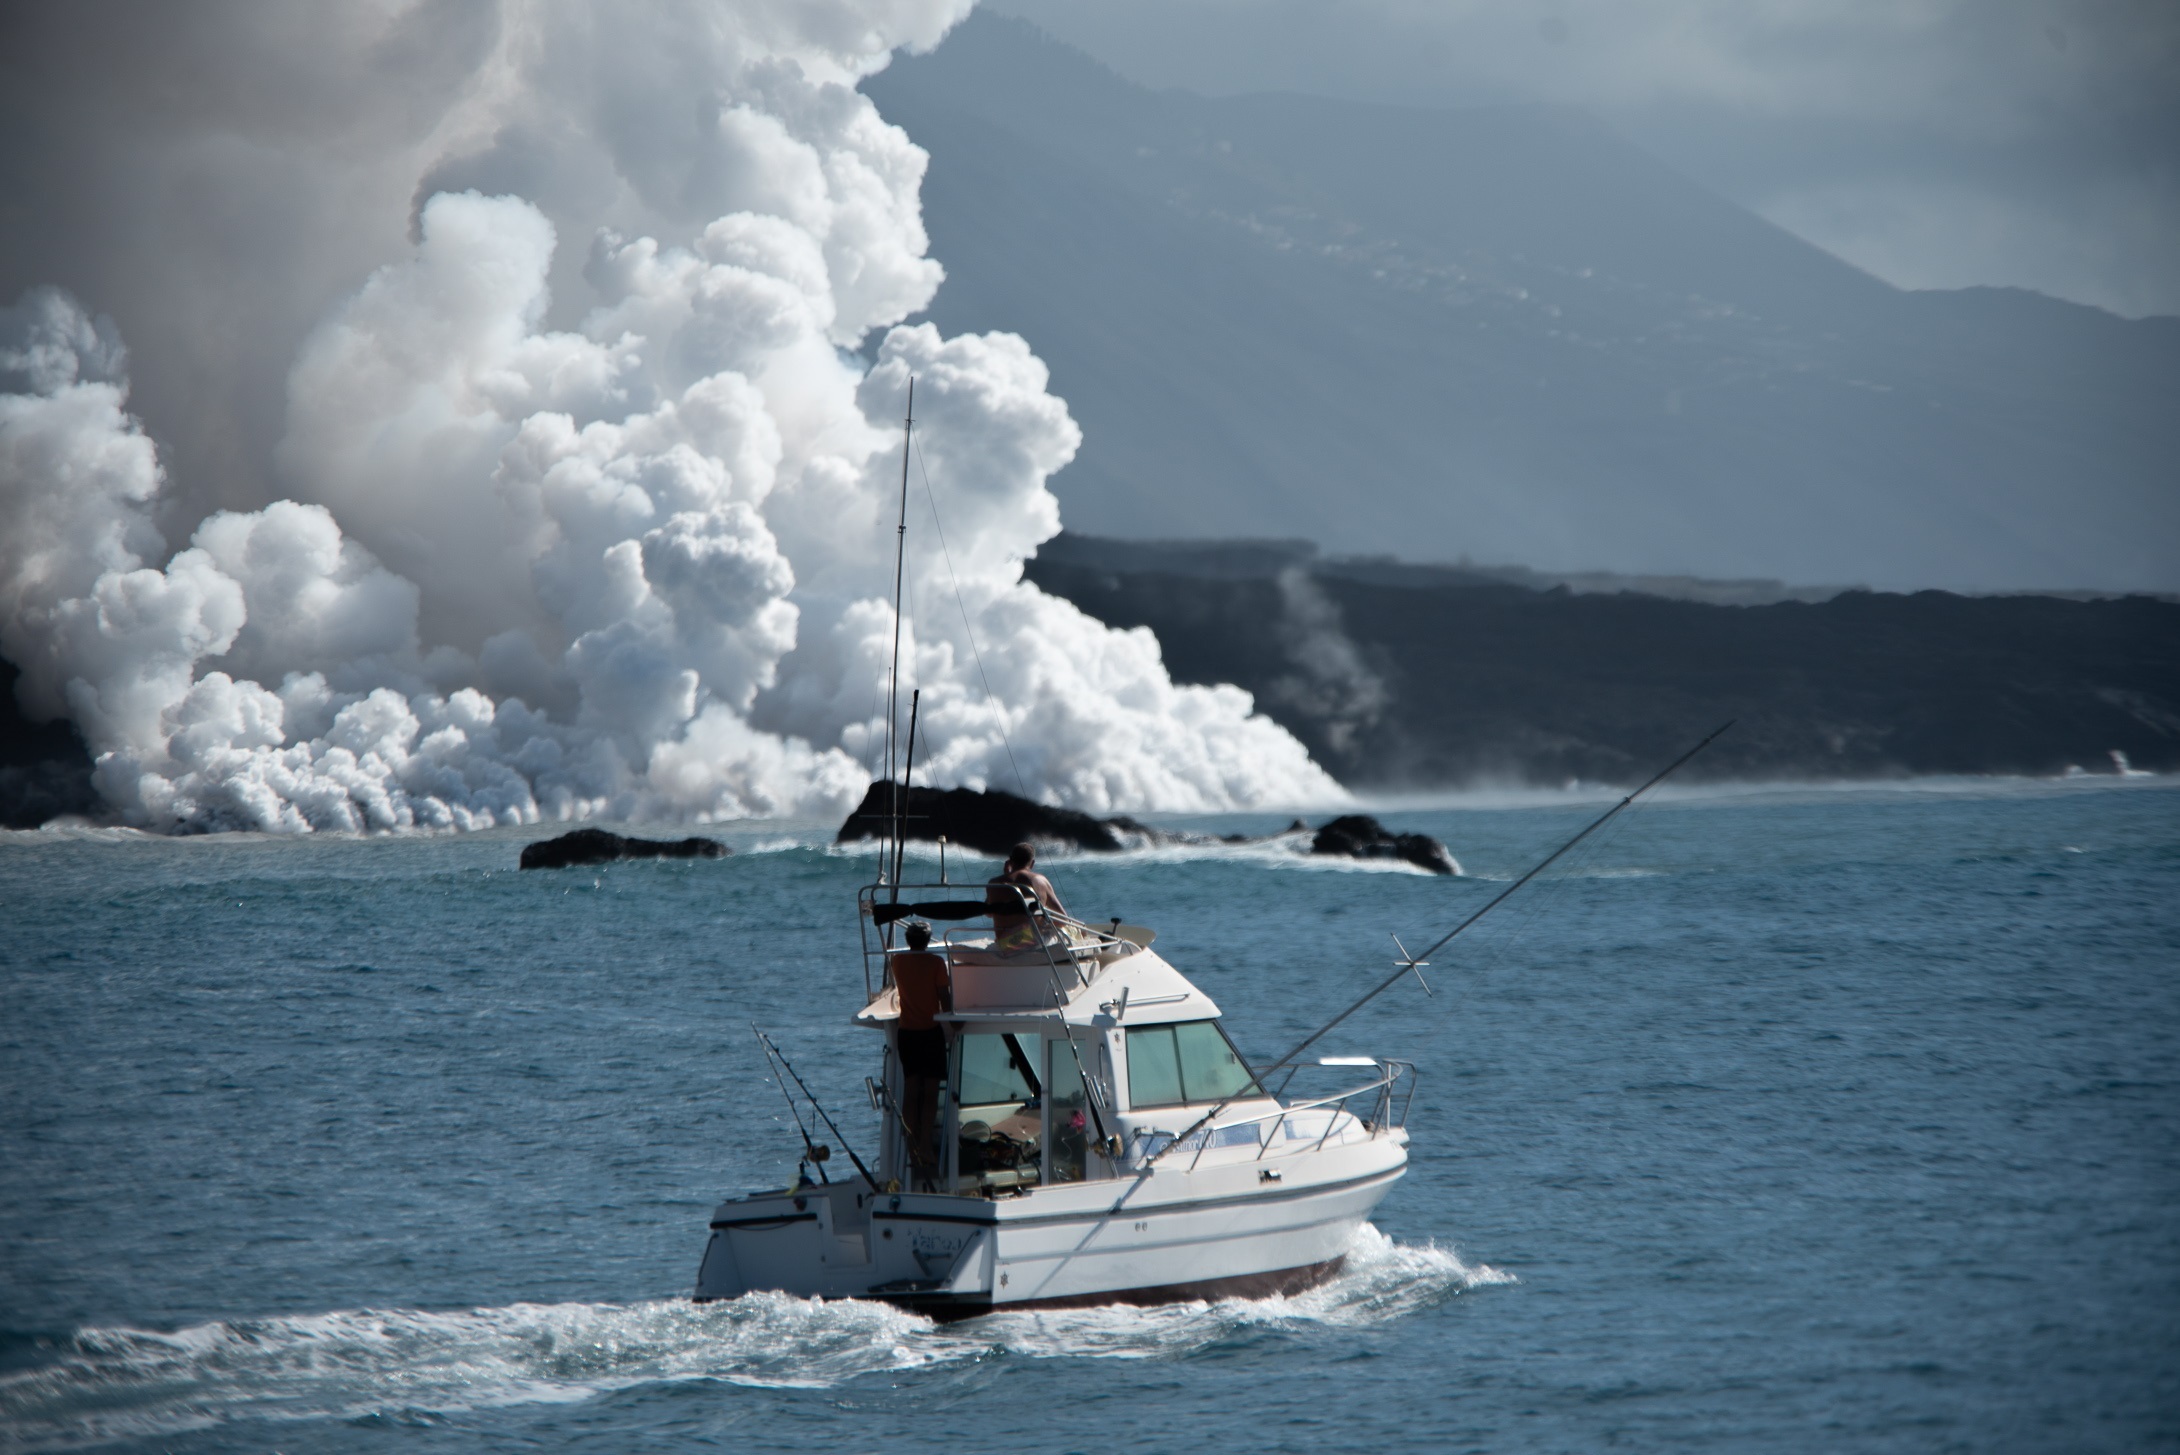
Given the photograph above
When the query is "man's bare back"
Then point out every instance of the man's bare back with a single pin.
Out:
(1002, 891)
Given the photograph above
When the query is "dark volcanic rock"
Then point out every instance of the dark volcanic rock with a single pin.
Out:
(1359, 836)
(990, 822)
(44, 770)
(596, 846)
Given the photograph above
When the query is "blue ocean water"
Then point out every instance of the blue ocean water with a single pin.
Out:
(1781, 1120)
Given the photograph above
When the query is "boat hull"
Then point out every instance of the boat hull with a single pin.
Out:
(1245, 1227)
(1276, 1284)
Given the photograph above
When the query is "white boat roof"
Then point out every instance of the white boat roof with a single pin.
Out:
(1137, 988)
(1156, 993)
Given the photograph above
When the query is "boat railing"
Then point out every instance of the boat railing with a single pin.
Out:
(1058, 944)
(1389, 1112)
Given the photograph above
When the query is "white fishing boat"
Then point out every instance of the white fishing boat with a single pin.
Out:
(1073, 1126)
(1067, 1121)
(1097, 1139)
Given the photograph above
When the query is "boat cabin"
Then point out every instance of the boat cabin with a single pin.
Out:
(1070, 1060)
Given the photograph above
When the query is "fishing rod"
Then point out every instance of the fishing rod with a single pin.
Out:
(1412, 963)
(814, 1106)
(812, 1151)
(878, 1090)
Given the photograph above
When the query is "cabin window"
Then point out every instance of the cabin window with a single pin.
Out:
(994, 1070)
(999, 1126)
(1191, 1063)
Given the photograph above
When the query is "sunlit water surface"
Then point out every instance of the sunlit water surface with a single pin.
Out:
(1783, 1120)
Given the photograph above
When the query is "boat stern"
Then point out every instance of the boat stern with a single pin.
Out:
(842, 1240)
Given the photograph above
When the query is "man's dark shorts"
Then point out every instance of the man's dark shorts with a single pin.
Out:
(923, 1053)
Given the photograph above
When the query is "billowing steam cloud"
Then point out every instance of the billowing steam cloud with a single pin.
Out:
(638, 564)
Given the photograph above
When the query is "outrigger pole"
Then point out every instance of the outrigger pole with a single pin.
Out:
(1410, 963)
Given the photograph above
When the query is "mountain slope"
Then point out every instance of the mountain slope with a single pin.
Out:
(1507, 333)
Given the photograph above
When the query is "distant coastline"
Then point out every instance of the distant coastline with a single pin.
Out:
(1410, 678)
(1414, 679)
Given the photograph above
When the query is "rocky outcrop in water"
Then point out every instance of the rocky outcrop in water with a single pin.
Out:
(597, 846)
(992, 821)
(1359, 836)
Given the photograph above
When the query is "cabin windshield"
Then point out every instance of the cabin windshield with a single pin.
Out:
(1185, 1065)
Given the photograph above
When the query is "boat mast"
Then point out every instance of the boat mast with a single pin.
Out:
(893, 676)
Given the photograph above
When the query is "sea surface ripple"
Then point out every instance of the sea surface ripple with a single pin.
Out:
(1780, 1120)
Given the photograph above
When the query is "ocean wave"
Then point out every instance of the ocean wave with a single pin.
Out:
(106, 1384)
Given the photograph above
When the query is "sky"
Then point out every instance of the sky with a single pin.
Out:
(1935, 143)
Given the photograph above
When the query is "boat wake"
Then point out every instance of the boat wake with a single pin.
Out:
(1382, 1281)
(107, 1384)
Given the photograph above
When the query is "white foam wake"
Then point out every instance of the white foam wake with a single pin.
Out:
(121, 1383)
(114, 1383)
(1383, 1280)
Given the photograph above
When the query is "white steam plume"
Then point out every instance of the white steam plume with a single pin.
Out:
(637, 564)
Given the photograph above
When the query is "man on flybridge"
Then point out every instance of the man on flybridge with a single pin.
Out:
(1012, 929)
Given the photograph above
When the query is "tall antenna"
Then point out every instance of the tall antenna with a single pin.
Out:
(906, 796)
(893, 676)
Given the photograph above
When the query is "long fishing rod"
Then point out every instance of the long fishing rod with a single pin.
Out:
(816, 1107)
(811, 1151)
(900, 1117)
(1410, 963)
(900, 558)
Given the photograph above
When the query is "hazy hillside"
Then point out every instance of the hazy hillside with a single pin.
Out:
(1506, 333)
(1405, 676)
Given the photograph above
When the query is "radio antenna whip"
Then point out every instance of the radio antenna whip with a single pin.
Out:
(893, 674)
(907, 795)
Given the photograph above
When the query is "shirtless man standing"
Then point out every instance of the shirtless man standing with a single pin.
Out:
(1012, 930)
(921, 982)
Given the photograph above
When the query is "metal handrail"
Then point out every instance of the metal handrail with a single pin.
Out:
(1392, 1069)
(1052, 928)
